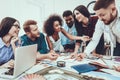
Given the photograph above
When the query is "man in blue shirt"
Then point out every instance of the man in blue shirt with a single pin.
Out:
(33, 36)
(69, 26)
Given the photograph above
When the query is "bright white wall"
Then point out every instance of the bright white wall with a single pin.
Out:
(37, 10)
(19, 9)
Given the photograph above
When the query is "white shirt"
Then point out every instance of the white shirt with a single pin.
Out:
(112, 29)
(57, 46)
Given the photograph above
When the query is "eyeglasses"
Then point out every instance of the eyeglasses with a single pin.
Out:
(17, 26)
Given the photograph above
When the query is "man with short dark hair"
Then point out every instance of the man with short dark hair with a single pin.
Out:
(109, 22)
(69, 26)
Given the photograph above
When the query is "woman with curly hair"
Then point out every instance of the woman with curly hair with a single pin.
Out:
(53, 29)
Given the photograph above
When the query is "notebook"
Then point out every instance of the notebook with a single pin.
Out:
(25, 58)
(81, 68)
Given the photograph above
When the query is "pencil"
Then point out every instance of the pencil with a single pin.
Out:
(104, 61)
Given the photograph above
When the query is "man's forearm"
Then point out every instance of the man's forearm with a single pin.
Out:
(41, 56)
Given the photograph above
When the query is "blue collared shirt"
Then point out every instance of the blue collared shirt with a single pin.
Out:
(6, 52)
(72, 31)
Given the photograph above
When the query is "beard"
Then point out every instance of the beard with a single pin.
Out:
(110, 20)
(70, 24)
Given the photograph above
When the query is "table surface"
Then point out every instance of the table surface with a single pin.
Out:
(70, 62)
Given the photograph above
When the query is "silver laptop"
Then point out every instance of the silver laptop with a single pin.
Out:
(25, 58)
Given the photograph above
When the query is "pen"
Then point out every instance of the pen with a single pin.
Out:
(104, 61)
(109, 66)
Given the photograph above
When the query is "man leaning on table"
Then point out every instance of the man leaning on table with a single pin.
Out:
(109, 21)
(34, 36)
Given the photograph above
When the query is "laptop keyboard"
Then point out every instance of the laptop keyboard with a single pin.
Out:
(10, 71)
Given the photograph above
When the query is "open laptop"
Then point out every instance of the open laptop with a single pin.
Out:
(25, 58)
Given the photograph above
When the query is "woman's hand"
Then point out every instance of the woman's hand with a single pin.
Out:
(85, 38)
(73, 55)
(80, 56)
(9, 64)
(14, 39)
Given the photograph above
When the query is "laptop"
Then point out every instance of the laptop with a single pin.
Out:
(25, 58)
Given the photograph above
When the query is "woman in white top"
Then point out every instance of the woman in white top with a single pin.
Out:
(53, 29)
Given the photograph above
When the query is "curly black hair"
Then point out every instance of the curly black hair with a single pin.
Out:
(48, 24)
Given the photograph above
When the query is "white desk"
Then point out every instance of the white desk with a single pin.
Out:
(69, 63)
